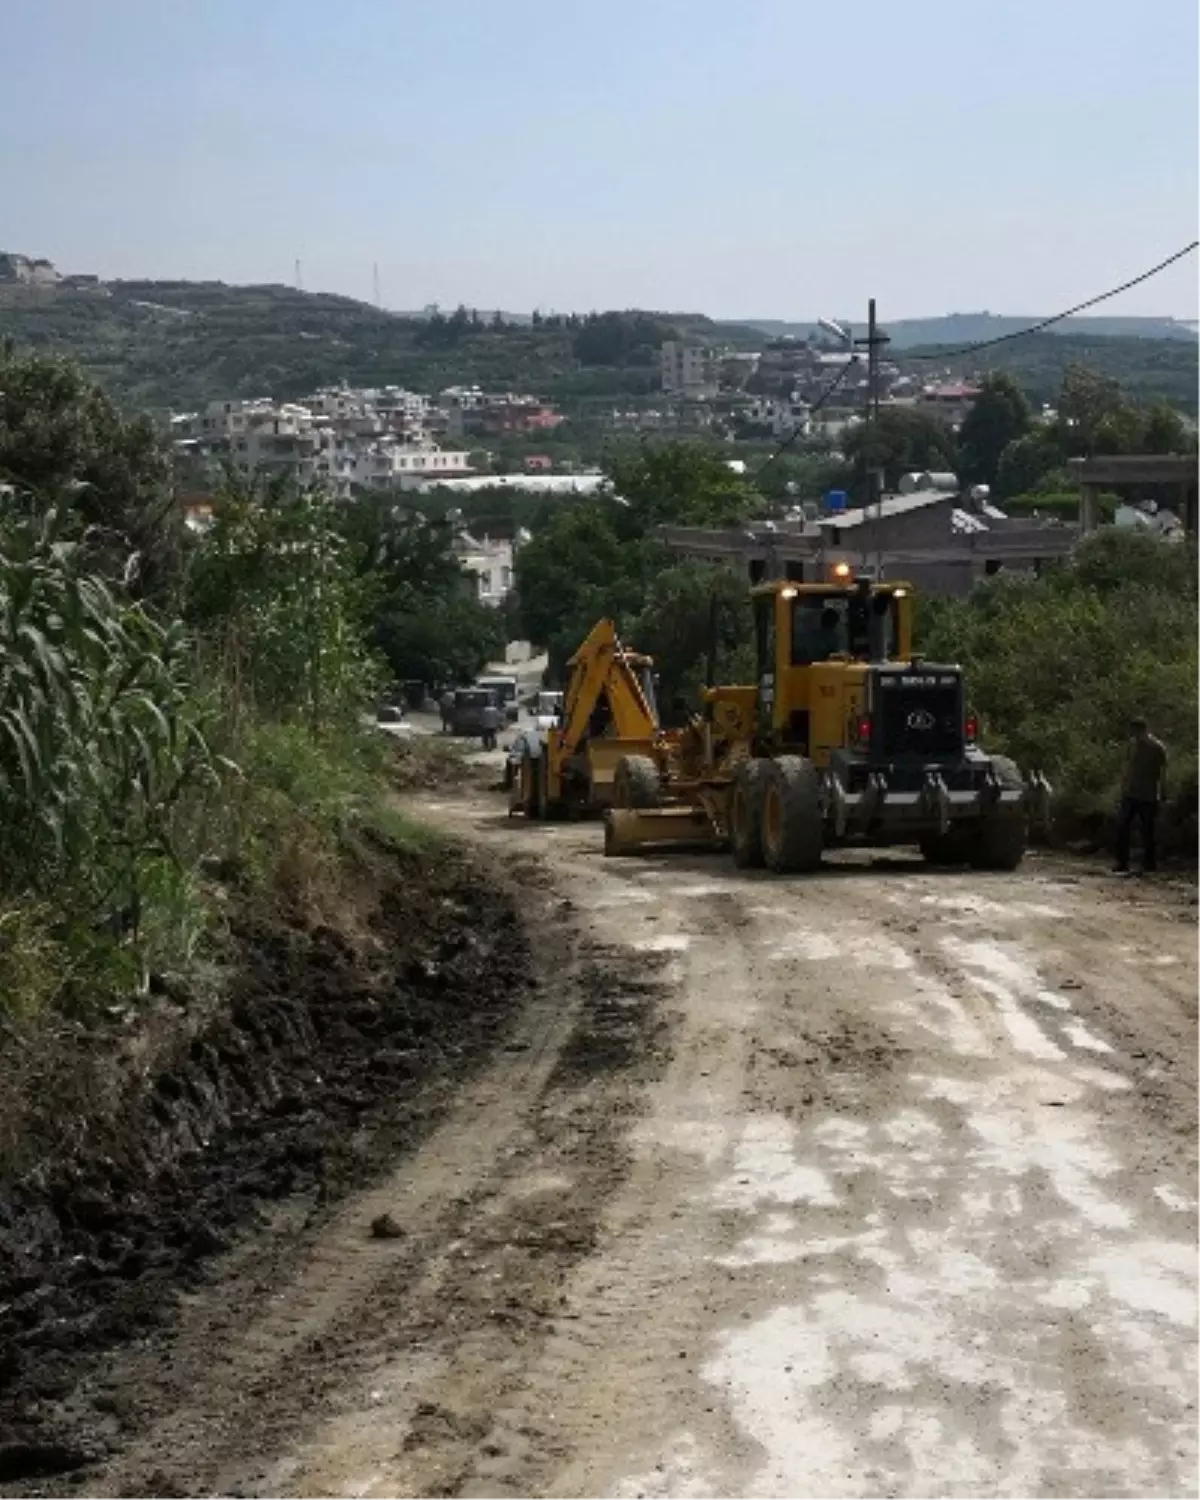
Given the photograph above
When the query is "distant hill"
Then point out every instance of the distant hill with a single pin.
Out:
(974, 328)
(173, 345)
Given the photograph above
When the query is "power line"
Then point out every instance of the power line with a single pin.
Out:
(1079, 307)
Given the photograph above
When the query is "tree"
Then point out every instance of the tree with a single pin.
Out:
(901, 441)
(68, 445)
(1086, 401)
(1163, 431)
(679, 484)
(698, 626)
(1027, 462)
(999, 416)
(420, 607)
(575, 567)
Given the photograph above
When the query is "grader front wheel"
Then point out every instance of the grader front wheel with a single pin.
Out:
(792, 824)
(636, 782)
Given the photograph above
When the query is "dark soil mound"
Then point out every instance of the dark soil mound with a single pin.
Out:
(146, 1152)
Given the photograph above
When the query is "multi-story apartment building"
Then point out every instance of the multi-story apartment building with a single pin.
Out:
(689, 369)
(344, 439)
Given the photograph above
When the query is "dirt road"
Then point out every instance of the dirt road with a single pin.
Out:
(878, 1182)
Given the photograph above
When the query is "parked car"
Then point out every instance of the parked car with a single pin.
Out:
(505, 689)
(466, 717)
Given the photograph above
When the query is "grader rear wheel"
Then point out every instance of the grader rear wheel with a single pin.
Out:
(636, 782)
(999, 844)
(745, 815)
(792, 826)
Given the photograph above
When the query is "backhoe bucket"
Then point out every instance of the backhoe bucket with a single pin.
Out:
(628, 828)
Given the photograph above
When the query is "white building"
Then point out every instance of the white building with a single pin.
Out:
(490, 561)
(344, 439)
(784, 416)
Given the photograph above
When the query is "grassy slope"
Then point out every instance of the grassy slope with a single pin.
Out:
(178, 344)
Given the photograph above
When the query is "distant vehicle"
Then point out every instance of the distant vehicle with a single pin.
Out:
(505, 689)
(547, 709)
(466, 717)
(391, 720)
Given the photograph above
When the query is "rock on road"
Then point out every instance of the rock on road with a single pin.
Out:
(876, 1182)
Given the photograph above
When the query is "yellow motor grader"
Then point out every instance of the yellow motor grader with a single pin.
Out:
(845, 738)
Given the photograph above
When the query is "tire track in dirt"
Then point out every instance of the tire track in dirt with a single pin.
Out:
(316, 1333)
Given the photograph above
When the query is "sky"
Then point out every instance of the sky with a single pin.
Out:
(765, 158)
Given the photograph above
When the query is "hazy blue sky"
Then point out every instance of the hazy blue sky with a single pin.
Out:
(758, 157)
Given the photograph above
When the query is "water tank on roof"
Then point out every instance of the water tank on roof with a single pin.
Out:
(941, 479)
(835, 500)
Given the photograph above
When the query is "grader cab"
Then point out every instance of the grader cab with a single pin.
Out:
(845, 737)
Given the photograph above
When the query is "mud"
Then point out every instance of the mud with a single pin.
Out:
(335, 1053)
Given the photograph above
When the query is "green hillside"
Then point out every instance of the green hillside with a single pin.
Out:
(1149, 370)
(176, 344)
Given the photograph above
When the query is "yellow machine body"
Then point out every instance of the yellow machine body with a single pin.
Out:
(609, 713)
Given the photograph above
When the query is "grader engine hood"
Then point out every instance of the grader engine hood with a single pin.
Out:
(916, 710)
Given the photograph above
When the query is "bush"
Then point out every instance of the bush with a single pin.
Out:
(1057, 665)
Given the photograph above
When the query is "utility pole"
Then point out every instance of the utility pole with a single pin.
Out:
(375, 282)
(873, 475)
(299, 281)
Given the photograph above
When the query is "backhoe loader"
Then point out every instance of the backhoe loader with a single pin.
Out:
(846, 737)
(609, 716)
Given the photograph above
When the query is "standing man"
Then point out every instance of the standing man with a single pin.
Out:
(1144, 787)
(447, 707)
(491, 723)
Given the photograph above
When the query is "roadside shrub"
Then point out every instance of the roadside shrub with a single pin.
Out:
(1057, 665)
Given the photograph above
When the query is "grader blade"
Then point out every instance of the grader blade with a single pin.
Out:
(628, 828)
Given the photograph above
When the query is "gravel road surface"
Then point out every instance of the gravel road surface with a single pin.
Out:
(877, 1182)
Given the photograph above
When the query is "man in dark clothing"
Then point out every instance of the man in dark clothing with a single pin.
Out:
(1144, 787)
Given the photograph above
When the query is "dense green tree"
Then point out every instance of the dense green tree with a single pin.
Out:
(901, 441)
(1026, 463)
(999, 416)
(680, 484)
(575, 567)
(1163, 431)
(65, 443)
(697, 624)
(420, 607)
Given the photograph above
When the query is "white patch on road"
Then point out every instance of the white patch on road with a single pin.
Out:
(1079, 1036)
(1176, 1201)
(679, 1474)
(812, 947)
(1154, 1276)
(668, 942)
(983, 906)
(707, 1139)
(766, 1169)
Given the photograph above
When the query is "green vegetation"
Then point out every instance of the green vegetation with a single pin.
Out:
(1148, 369)
(598, 557)
(188, 717)
(1057, 665)
(175, 345)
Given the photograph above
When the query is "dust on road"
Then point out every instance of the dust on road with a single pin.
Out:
(881, 1181)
